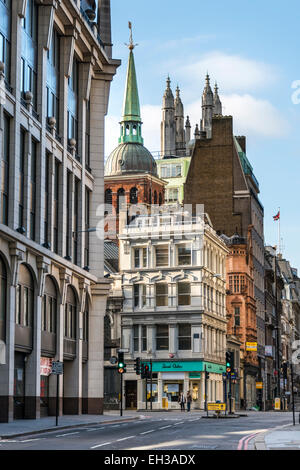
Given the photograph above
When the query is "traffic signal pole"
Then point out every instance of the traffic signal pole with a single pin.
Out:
(205, 389)
(151, 383)
(121, 394)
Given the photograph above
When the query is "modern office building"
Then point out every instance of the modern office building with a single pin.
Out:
(56, 68)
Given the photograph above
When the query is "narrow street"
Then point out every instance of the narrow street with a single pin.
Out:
(157, 431)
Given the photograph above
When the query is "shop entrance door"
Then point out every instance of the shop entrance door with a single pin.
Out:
(131, 394)
(19, 386)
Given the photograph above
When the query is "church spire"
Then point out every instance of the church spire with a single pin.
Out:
(131, 116)
(207, 108)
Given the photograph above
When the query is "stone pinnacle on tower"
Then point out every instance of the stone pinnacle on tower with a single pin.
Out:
(179, 122)
(187, 134)
(217, 109)
(168, 127)
(207, 108)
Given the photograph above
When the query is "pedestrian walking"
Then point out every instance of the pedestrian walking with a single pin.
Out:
(181, 401)
(188, 401)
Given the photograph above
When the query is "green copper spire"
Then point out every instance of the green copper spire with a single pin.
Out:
(131, 120)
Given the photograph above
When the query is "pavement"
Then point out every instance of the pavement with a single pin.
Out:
(24, 427)
(280, 438)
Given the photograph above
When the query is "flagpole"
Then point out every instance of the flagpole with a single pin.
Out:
(279, 231)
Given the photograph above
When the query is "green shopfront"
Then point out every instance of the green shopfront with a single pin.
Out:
(170, 378)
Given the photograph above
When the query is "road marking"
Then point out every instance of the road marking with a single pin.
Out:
(94, 429)
(124, 438)
(36, 439)
(243, 443)
(191, 420)
(147, 432)
(100, 445)
(181, 422)
(67, 434)
(165, 427)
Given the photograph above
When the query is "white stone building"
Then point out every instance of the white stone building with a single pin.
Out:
(174, 309)
(56, 69)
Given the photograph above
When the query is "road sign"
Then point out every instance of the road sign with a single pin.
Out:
(57, 368)
(259, 385)
(113, 360)
(277, 404)
(251, 346)
(216, 406)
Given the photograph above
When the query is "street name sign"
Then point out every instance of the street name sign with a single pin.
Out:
(57, 368)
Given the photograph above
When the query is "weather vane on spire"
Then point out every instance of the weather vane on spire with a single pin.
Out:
(131, 45)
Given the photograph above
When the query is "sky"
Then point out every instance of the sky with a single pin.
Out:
(251, 48)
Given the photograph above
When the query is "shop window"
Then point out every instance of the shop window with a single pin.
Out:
(184, 293)
(162, 337)
(161, 295)
(184, 255)
(184, 337)
(162, 256)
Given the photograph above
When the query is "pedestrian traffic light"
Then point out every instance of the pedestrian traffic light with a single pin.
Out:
(137, 366)
(206, 375)
(121, 364)
(229, 361)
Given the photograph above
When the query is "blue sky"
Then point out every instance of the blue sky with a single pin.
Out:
(251, 48)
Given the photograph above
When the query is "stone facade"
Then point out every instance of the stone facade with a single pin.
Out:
(54, 97)
(174, 308)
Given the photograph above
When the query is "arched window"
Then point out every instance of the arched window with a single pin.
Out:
(133, 196)
(120, 194)
(155, 197)
(70, 314)
(108, 201)
(127, 129)
(134, 130)
(25, 298)
(49, 307)
(3, 298)
(160, 199)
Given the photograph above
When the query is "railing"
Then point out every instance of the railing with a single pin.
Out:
(8, 87)
(91, 26)
(35, 114)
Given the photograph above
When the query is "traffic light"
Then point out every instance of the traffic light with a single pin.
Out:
(142, 368)
(229, 361)
(147, 372)
(284, 370)
(206, 375)
(137, 366)
(121, 364)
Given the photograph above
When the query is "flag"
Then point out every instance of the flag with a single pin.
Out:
(129, 24)
(277, 216)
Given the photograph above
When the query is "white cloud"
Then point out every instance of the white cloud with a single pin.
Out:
(232, 72)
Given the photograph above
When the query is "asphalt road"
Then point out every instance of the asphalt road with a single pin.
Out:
(157, 431)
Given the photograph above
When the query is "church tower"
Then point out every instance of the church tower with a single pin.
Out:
(207, 108)
(168, 126)
(179, 123)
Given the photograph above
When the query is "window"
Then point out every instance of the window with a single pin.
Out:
(52, 83)
(237, 320)
(69, 214)
(70, 314)
(73, 102)
(5, 36)
(87, 226)
(160, 199)
(161, 295)
(29, 51)
(25, 298)
(108, 201)
(162, 255)
(172, 195)
(144, 338)
(136, 338)
(21, 178)
(171, 171)
(184, 337)
(3, 299)
(85, 323)
(5, 171)
(120, 199)
(140, 257)
(133, 196)
(32, 202)
(155, 197)
(88, 135)
(49, 307)
(184, 293)
(184, 255)
(162, 337)
(76, 215)
(139, 294)
(56, 205)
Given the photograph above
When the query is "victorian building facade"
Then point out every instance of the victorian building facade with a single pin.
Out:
(56, 68)
(174, 308)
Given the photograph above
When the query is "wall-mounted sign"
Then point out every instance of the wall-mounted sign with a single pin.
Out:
(251, 346)
(259, 385)
(45, 366)
(269, 351)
